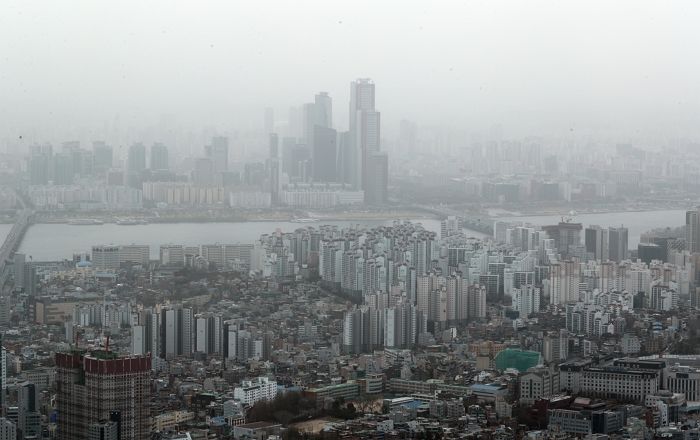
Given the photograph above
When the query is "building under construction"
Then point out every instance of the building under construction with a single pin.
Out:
(99, 385)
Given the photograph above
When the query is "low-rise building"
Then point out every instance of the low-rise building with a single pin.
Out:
(252, 391)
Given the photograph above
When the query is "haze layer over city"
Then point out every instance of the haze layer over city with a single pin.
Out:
(281, 220)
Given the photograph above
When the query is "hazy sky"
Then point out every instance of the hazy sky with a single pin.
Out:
(532, 66)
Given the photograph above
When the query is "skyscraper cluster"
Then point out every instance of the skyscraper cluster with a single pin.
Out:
(353, 158)
(176, 331)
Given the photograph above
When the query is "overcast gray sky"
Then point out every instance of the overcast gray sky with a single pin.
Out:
(532, 66)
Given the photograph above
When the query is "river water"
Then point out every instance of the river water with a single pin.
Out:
(50, 242)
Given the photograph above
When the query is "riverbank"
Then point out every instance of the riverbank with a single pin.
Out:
(263, 216)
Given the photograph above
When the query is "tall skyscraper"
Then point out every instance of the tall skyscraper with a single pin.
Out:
(692, 231)
(209, 331)
(618, 243)
(93, 386)
(377, 179)
(135, 164)
(159, 157)
(176, 326)
(367, 138)
(18, 264)
(361, 100)
(324, 109)
(217, 151)
(317, 113)
(237, 343)
(597, 241)
(320, 138)
(145, 337)
(365, 125)
(324, 154)
(273, 168)
(29, 420)
(3, 375)
(607, 243)
(347, 159)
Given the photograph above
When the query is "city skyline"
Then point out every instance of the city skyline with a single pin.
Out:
(472, 78)
(349, 220)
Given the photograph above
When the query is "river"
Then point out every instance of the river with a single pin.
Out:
(52, 242)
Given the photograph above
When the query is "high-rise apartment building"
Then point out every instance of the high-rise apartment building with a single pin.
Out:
(476, 297)
(565, 235)
(135, 253)
(105, 257)
(172, 255)
(145, 336)
(526, 300)
(238, 343)
(564, 282)
(92, 387)
(253, 391)
(176, 327)
(8, 430)
(208, 334)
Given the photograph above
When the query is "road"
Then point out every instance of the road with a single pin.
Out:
(14, 238)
